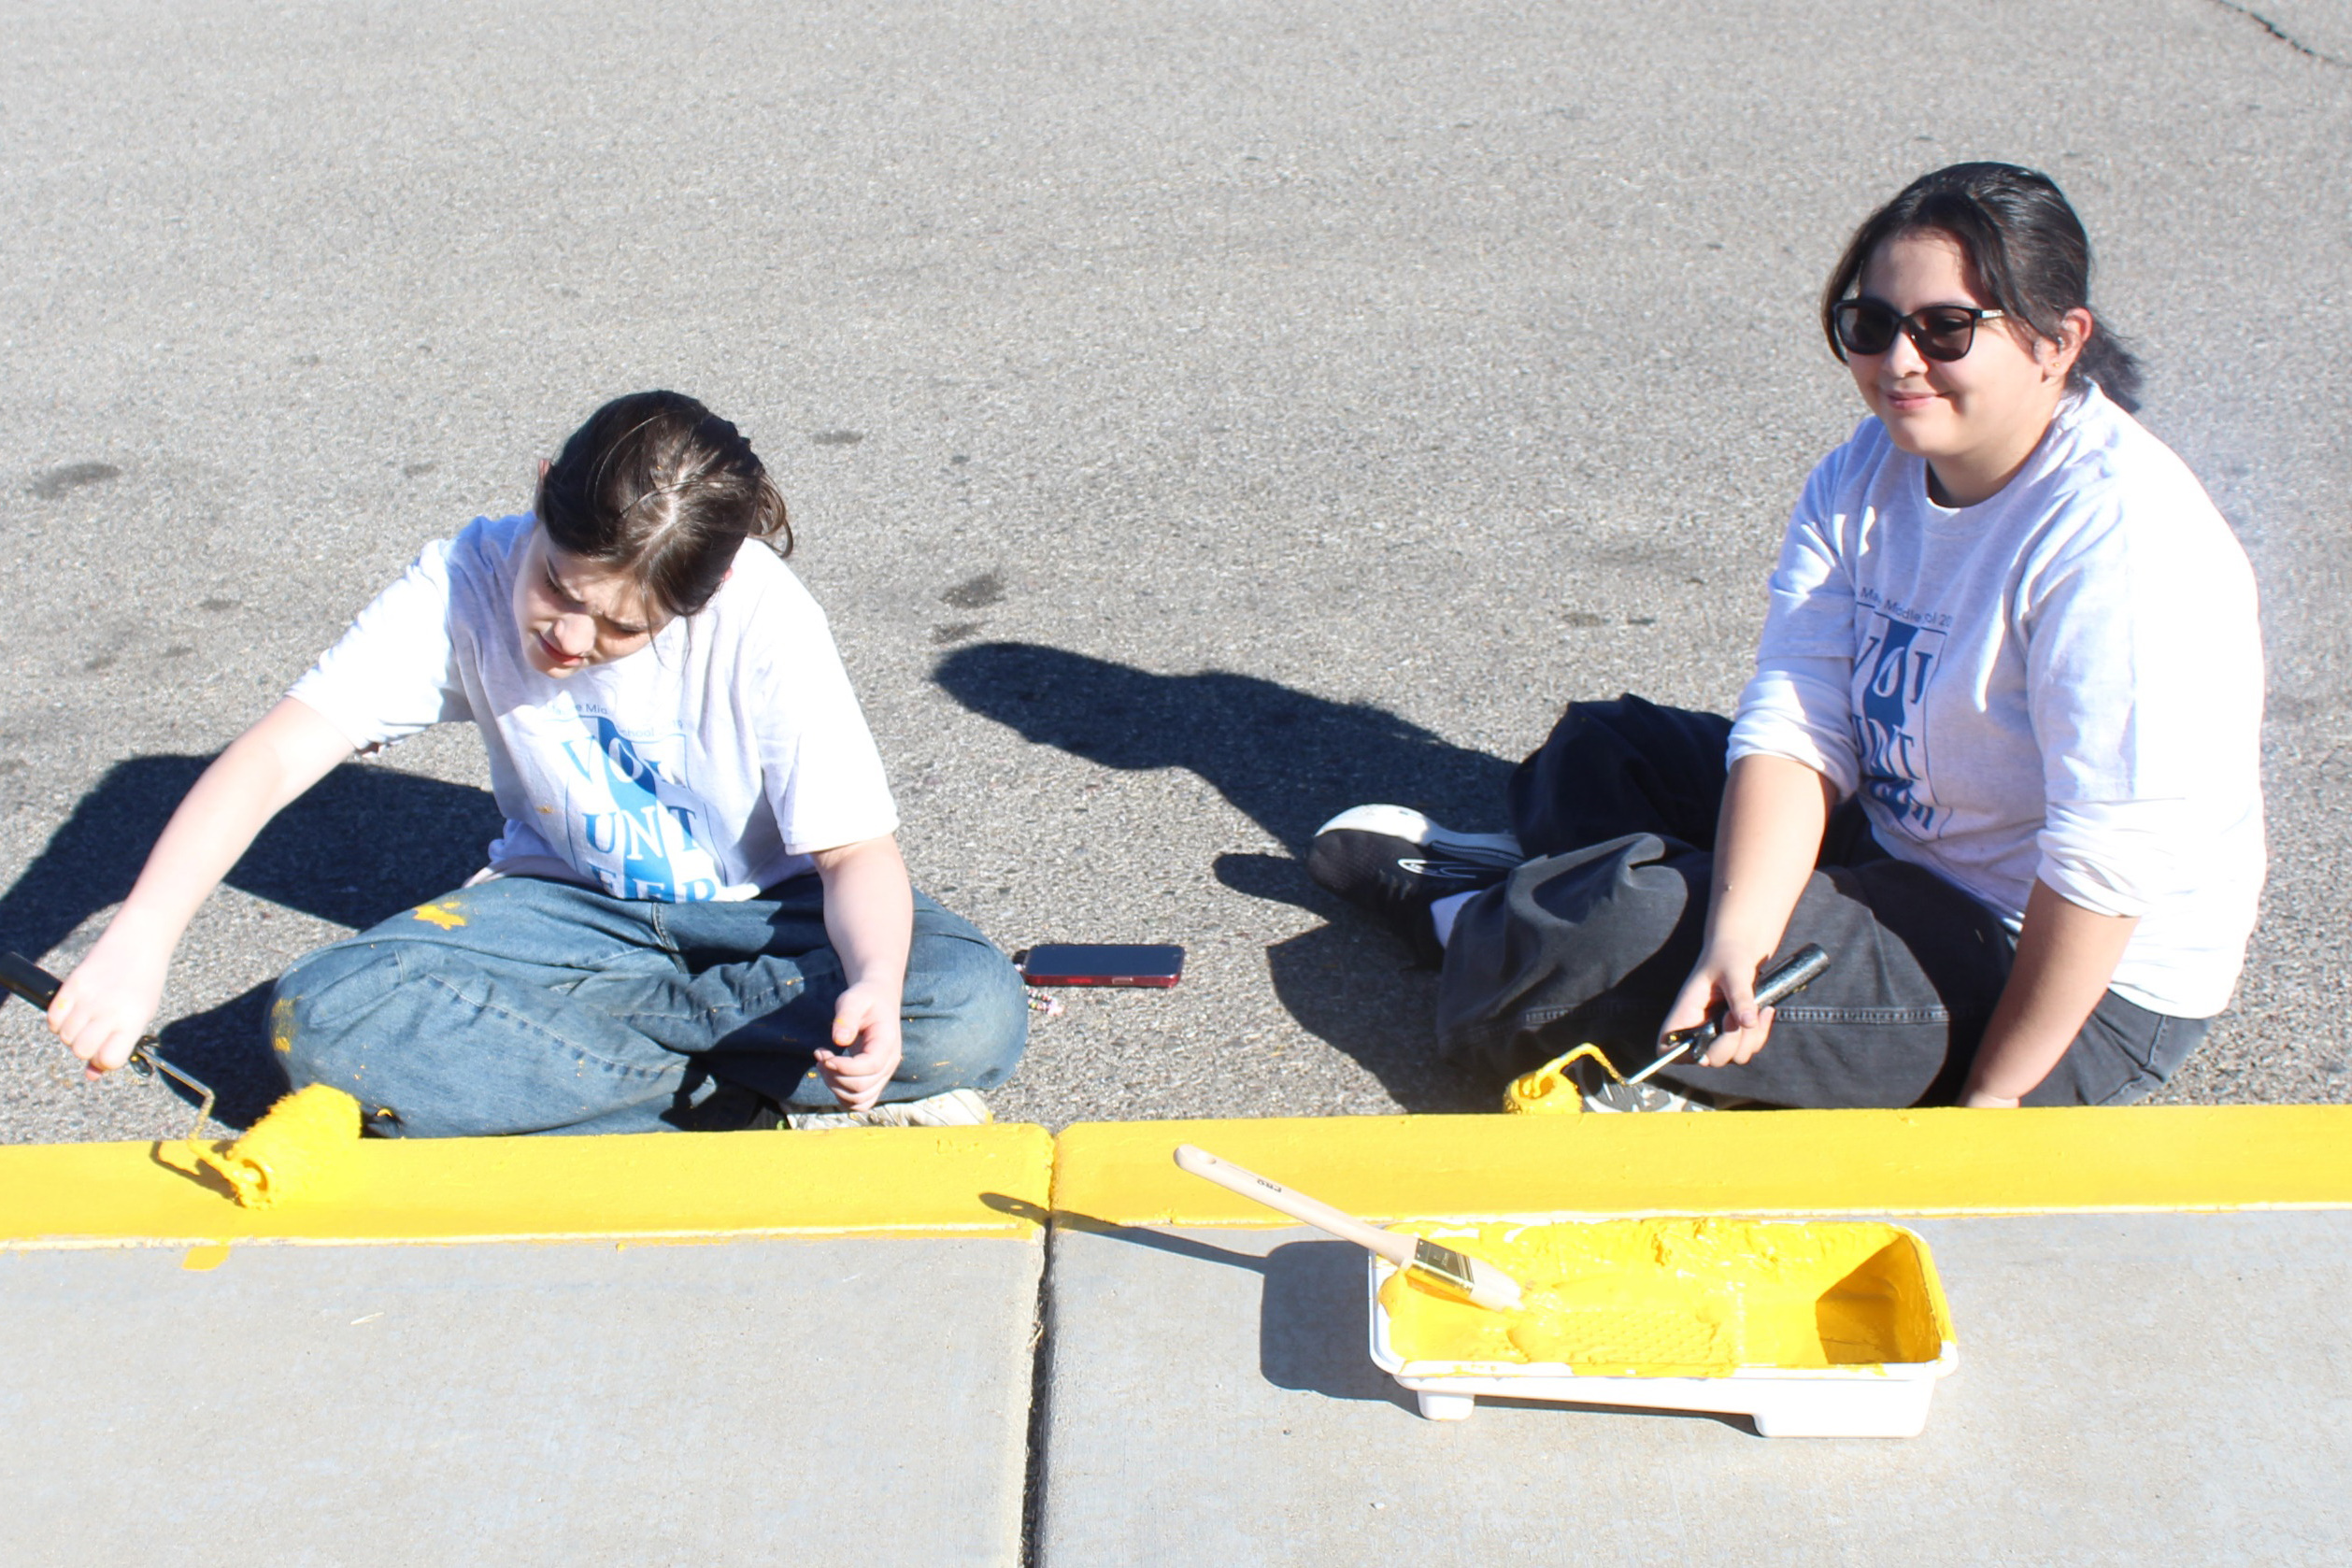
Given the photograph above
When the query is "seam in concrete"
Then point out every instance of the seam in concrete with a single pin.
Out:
(2280, 33)
(1032, 1487)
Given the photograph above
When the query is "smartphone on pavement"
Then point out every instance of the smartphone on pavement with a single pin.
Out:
(1102, 963)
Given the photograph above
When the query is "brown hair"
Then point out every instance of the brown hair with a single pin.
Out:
(661, 487)
(2026, 252)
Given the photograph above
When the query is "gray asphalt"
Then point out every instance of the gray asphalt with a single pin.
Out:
(1198, 417)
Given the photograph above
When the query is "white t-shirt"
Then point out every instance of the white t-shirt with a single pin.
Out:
(704, 765)
(2062, 682)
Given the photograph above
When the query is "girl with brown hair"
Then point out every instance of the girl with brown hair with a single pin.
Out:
(696, 914)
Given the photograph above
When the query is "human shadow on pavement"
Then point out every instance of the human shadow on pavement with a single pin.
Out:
(1309, 1312)
(365, 841)
(1311, 1328)
(1290, 761)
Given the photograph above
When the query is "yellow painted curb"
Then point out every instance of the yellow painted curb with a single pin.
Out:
(1924, 1161)
(675, 1186)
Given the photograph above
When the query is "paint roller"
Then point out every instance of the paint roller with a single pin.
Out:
(1425, 1262)
(304, 1141)
(1550, 1090)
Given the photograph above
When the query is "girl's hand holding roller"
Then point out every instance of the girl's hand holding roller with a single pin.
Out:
(112, 995)
(109, 999)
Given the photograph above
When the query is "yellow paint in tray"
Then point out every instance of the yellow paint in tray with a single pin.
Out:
(1682, 1297)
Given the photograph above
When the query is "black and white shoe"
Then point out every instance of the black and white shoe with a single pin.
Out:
(1396, 863)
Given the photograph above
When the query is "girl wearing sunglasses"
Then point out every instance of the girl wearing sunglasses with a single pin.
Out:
(1999, 757)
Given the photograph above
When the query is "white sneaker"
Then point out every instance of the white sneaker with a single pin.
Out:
(1498, 851)
(958, 1107)
(1396, 863)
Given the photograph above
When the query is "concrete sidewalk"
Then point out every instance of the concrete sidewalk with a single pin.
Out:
(2132, 1390)
(686, 1348)
(764, 1401)
(819, 1349)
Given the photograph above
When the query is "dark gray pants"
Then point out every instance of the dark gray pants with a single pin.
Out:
(1591, 940)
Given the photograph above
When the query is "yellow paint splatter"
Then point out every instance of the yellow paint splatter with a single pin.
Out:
(203, 1259)
(443, 915)
(282, 1025)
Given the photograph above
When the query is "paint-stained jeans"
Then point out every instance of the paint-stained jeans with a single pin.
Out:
(1591, 940)
(530, 1005)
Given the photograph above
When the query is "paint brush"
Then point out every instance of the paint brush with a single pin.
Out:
(300, 1145)
(1803, 967)
(1455, 1273)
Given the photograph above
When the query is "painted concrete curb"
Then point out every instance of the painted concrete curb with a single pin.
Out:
(1916, 1162)
(981, 1181)
(1007, 1180)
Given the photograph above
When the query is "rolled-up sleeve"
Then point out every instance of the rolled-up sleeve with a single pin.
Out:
(1800, 705)
(2137, 686)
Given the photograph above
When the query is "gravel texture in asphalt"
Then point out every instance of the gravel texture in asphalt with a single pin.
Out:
(1198, 417)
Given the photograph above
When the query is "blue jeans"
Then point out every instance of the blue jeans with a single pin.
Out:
(530, 1005)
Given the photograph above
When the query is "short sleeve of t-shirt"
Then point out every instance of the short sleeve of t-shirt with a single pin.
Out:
(823, 773)
(394, 671)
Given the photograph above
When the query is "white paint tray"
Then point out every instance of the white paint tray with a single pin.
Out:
(1873, 1398)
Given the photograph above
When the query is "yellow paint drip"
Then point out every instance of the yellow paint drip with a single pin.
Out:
(443, 915)
(1680, 1298)
(203, 1259)
(299, 1148)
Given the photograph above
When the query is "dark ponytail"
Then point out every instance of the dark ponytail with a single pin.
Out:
(657, 486)
(2026, 252)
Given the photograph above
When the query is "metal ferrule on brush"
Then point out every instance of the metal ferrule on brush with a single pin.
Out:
(1460, 1272)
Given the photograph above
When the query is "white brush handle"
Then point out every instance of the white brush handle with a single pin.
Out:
(1298, 1205)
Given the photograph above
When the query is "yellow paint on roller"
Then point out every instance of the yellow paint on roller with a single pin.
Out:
(1548, 1091)
(2154, 1158)
(203, 1259)
(668, 1187)
(302, 1148)
(1682, 1298)
(443, 915)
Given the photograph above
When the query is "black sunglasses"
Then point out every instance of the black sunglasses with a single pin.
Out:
(1943, 333)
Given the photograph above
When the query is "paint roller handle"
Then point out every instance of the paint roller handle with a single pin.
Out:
(28, 979)
(1803, 967)
(1298, 1205)
(39, 987)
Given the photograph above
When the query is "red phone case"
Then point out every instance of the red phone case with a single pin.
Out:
(1058, 963)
